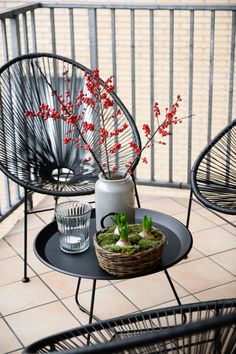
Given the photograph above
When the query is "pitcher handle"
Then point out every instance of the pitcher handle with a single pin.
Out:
(104, 217)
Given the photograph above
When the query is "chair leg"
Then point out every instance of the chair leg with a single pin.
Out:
(25, 278)
(189, 208)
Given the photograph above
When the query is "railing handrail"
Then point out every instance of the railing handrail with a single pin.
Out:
(138, 6)
(126, 6)
(21, 9)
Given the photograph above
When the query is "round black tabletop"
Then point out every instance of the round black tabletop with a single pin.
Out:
(85, 265)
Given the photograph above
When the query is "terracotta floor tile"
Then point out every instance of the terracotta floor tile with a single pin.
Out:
(81, 316)
(190, 299)
(210, 216)
(182, 217)
(46, 216)
(163, 192)
(164, 205)
(109, 302)
(145, 197)
(33, 222)
(200, 274)
(149, 291)
(63, 285)
(213, 240)
(42, 321)
(185, 202)
(84, 198)
(17, 240)
(5, 250)
(230, 229)
(12, 270)
(227, 260)
(8, 341)
(193, 254)
(46, 203)
(36, 264)
(20, 296)
(151, 203)
(198, 222)
(231, 218)
(225, 291)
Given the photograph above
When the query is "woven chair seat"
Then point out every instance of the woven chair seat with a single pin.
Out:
(205, 327)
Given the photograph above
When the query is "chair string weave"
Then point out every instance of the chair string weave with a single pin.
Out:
(214, 174)
(32, 151)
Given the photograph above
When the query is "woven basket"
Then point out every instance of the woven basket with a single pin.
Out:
(121, 264)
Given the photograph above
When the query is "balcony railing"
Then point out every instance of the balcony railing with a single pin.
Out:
(154, 52)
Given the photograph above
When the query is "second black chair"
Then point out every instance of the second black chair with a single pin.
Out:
(213, 175)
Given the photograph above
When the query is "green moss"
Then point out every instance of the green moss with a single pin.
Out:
(145, 244)
(123, 249)
(108, 230)
(107, 239)
(156, 234)
(134, 239)
(134, 229)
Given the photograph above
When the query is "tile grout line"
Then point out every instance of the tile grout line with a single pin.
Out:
(209, 257)
(166, 302)
(219, 265)
(58, 298)
(213, 287)
(224, 223)
(126, 297)
(11, 329)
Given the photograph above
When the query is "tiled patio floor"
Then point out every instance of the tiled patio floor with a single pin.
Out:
(46, 304)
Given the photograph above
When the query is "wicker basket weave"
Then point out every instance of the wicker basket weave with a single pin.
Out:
(121, 264)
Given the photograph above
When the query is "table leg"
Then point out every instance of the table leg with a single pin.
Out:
(175, 293)
(172, 287)
(90, 311)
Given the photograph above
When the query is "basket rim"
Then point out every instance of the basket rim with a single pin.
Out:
(163, 241)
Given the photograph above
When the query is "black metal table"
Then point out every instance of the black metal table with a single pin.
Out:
(85, 265)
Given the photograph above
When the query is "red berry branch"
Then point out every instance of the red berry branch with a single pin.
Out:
(96, 96)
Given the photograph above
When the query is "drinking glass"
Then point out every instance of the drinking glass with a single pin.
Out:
(73, 221)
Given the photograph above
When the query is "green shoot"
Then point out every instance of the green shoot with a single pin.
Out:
(120, 219)
(147, 223)
(123, 231)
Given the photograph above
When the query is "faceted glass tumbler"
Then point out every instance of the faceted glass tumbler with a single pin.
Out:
(73, 221)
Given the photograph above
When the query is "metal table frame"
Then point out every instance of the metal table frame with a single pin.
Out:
(85, 265)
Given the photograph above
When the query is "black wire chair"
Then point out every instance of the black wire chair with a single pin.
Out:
(210, 328)
(32, 152)
(213, 175)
